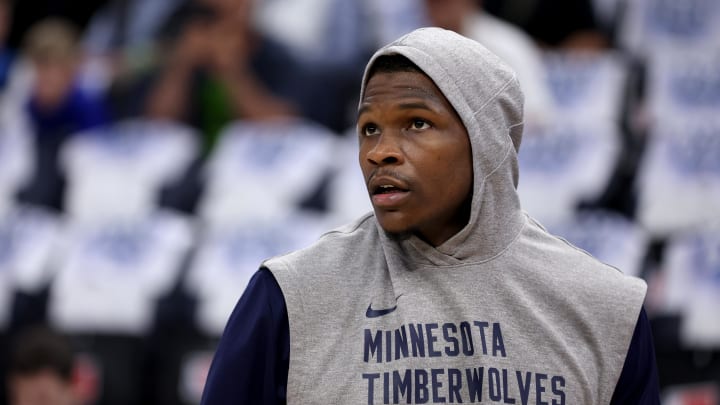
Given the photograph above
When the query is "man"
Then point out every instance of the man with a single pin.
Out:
(449, 292)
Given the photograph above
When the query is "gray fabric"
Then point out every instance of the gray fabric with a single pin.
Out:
(503, 303)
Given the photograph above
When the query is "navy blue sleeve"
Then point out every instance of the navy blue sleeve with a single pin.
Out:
(638, 383)
(251, 361)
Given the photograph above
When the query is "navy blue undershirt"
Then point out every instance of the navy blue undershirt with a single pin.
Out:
(252, 358)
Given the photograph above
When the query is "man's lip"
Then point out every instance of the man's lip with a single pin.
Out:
(390, 200)
(376, 182)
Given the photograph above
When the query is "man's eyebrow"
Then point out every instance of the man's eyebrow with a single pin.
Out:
(363, 108)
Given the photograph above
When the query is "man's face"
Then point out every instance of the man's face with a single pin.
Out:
(415, 156)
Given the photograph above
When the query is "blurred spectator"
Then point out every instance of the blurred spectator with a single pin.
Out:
(220, 69)
(217, 42)
(57, 107)
(505, 40)
(41, 369)
(6, 55)
(553, 23)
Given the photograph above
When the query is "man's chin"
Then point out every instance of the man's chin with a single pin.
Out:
(398, 236)
(394, 230)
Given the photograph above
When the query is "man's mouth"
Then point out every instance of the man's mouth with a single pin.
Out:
(388, 196)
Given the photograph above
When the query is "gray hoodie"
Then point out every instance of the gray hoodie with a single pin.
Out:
(502, 312)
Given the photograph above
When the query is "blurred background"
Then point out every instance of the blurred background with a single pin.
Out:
(154, 152)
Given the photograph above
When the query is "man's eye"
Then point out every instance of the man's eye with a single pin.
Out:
(420, 124)
(370, 130)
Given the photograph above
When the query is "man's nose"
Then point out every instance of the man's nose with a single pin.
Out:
(386, 151)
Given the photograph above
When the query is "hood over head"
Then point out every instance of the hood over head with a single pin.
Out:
(485, 93)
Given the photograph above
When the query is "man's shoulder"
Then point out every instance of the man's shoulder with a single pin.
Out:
(572, 266)
(333, 248)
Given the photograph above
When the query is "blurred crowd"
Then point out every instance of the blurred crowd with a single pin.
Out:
(153, 152)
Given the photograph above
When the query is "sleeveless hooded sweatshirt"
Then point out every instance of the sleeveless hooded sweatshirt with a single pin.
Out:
(502, 312)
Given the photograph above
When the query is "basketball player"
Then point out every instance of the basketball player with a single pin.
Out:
(448, 292)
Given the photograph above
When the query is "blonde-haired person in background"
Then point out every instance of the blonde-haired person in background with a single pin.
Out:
(57, 106)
